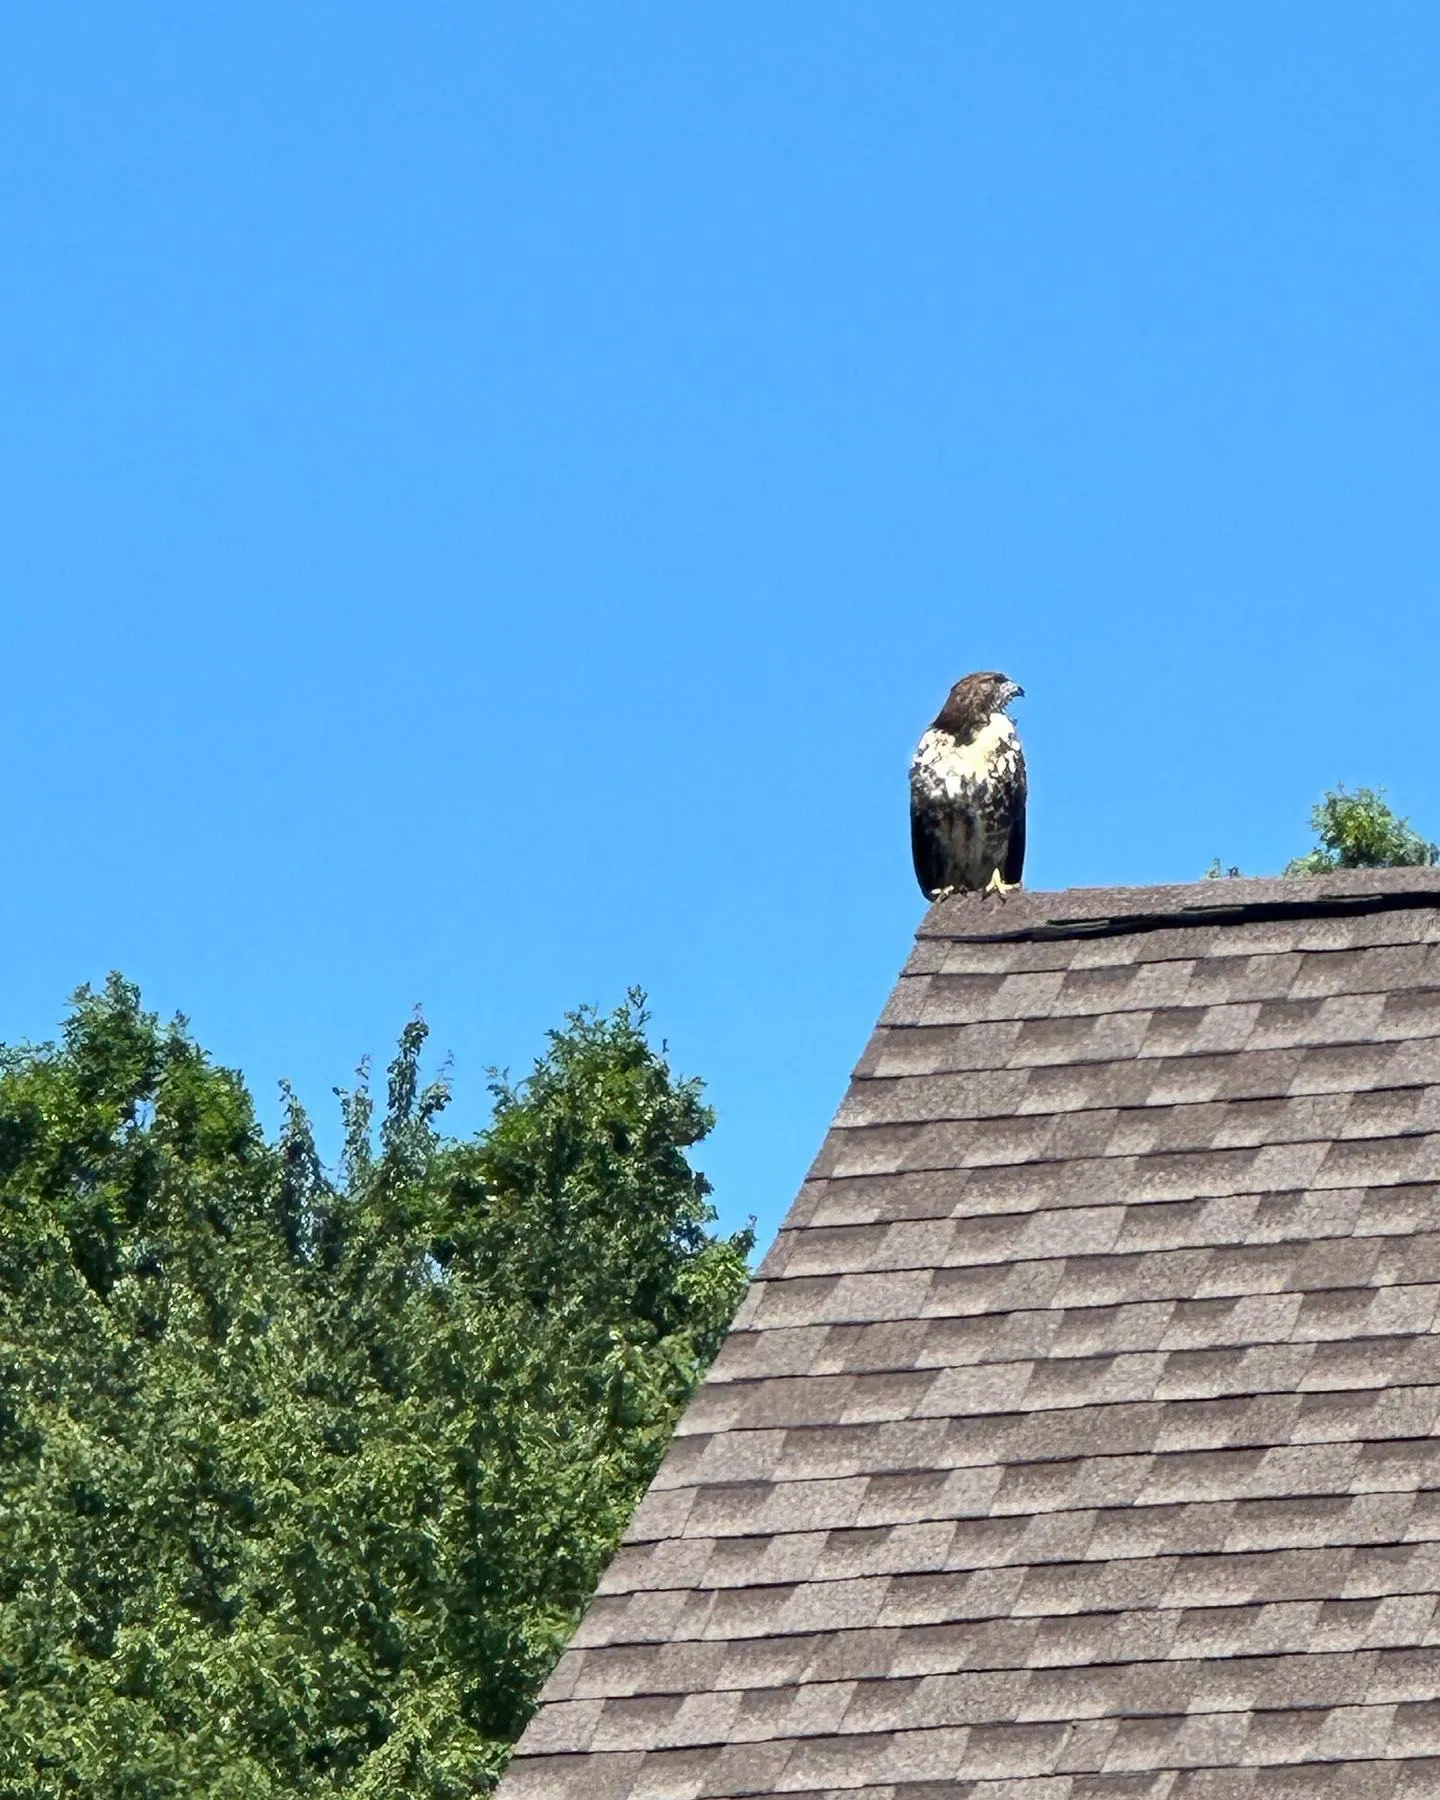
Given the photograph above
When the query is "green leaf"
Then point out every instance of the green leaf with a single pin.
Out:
(1359, 831)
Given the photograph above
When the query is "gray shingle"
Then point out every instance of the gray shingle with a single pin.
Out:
(1077, 1440)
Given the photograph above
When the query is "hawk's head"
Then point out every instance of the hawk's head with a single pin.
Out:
(973, 699)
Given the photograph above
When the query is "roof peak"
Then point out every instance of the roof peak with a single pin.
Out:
(1232, 900)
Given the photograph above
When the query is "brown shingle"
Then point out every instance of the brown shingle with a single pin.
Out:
(1077, 1440)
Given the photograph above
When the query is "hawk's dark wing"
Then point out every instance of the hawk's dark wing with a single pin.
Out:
(930, 851)
(1015, 848)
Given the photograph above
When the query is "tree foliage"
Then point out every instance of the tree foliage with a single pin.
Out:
(304, 1478)
(1360, 831)
(1356, 830)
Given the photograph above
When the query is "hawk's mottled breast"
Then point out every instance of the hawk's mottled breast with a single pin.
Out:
(967, 805)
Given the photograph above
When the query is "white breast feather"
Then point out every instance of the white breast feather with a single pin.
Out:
(943, 769)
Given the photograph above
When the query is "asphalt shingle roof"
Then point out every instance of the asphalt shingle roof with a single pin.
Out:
(1077, 1438)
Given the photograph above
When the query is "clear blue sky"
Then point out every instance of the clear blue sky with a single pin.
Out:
(493, 492)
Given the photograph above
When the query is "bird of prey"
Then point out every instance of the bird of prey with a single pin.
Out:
(967, 792)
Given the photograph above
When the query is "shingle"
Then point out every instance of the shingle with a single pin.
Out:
(1387, 1111)
(1415, 1258)
(675, 1774)
(900, 1099)
(544, 1777)
(1417, 1780)
(812, 1766)
(809, 1710)
(1000, 1643)
(839, 1299)
(966, 1046)
(660, 1514)
(824, 1451)
(981, 956)
(752, 1768)
(1079, 1087)
(1253, 1369)
(674, 1668)
(907, 1003)
(870, 1199)
(792, 1350)
(670, 1563)
(761, 1561)
(1412, 1060)
(885, 1549)
(1154, 1785)
(920, 1050)
(1380, 1162)
(902, 1343)
(711, 1453)
(1370, 1362)
(1411, 1012)
(1399, 1210)
(1068, 1039)
(1221, 977)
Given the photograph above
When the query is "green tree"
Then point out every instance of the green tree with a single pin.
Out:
(1360, 831)
(1355, 831)
(305, 1478)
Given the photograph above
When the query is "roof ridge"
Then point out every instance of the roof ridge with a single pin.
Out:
(1113, 912)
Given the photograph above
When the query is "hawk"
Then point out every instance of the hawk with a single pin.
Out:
(967, 792)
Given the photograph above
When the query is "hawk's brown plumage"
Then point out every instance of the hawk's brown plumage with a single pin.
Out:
(967, 791)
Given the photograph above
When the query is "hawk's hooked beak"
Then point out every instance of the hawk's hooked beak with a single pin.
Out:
(1014, 691)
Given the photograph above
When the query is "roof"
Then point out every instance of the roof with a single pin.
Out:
(1077, 1435)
